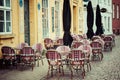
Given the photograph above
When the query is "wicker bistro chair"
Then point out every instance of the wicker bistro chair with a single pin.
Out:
(76, 44)
(59, 41)
(95, 37)
(97, 51)
(22, 45)
(48, 43)
(108, 43)
(38, 48)
(27, 56)
(75, 37)
(87, 50)
(113, 36)
(80, 37)
(85, 41)
(76, 58)
(102, 43)
(54, 62)
(8, 55)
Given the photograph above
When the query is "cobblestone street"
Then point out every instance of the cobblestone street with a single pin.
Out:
(107, 69)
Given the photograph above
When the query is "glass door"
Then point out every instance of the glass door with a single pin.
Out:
(26, 21)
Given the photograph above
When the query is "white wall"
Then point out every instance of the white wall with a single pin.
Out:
(107, 24)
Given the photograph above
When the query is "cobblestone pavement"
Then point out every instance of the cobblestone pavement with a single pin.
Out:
(107, 69)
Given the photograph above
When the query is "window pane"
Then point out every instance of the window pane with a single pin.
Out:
(7, 3)
(1, 2)
(1, 15)
(2, 27)
(8, 26)
(8, 15)
(113, 15)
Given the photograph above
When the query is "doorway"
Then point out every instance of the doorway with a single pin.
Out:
(26, 22)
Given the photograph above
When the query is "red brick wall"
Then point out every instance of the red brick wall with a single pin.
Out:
(116, 22)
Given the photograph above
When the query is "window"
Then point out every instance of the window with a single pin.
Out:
(113, 13)
(99, 1)
(5, 17)
(108, 23)
(104, 1)
(45, 18)
(52, 19)
(80, 19)
(2, 3)
(108, 2)
(117, 11)
(105, 21)
(57, 19)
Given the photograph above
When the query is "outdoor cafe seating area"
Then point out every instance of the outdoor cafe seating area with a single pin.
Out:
(77, 58)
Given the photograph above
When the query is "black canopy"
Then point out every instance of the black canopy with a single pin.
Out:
(98, 22)
(90, 20)
(67, 38)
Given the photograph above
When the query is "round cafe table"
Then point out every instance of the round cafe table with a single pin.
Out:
(64, 51)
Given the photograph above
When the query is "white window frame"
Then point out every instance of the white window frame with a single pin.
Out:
(104, 1)
(117, 6)
(57, 27)
(99, 1)
(108, 23)
(80, 19)
(105, 21)
(119, 12)
(113, 9)
(5, 9)
(45, 27)
(108, 2)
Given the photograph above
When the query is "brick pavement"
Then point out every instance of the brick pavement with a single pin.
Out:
(107, 69)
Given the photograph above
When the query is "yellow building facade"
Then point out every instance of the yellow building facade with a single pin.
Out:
(33, 20)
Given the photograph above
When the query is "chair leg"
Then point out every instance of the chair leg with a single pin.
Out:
(58, 73)
(101, 56)
(42, 61)
(48, 71)
(71, 71)
(7, 63)
(14, 63)
(51, 71)
(89, 66)
(32, 66)
(93, 57)
(38, 62)
(1, 63)
(111, 48)
(62, 71)
(83, 71)
(59, 70)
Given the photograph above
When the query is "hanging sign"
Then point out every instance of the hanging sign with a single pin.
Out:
(103, 10)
